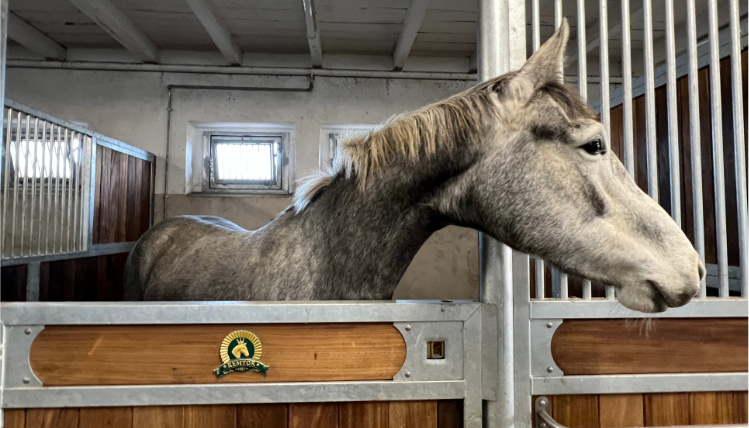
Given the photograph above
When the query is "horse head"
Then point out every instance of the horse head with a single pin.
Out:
(240, 349)
(544, 180)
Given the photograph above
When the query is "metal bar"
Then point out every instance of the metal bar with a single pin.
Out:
(94, 250)
(718, 169)
(582, 309)
(739, 147)
(76, 186)
(522, 340)
(6, 175)
(694, 134)
(15, 187)
(539, 263)
(582, 62)
(557, 13)
(69, 165)
(652, 142)
(639, 384)
(91, 197)
(42, 175)
(49, 148)
(628, 128)
(536, 25)
(25, 179)
(56, 177)
(673, 114)
(34, 182)
(169, 395)
(540, 279)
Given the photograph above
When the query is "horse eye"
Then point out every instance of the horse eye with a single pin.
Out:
(594, 147)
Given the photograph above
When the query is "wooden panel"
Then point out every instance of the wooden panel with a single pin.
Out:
(364, 415)
(219, 416)
(666, 409)
(262, 416)
(450, 414)
(52, 418)
(313, 415)
(114, 417)
(576, 411)
(620, 410)
(413, 414)
(83, 279)
(583, 347)
(159, 417)
(15, 418)
(717, 408)
(181, 354)
(13, 283)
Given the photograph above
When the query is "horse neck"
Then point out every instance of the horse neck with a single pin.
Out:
(368, 237)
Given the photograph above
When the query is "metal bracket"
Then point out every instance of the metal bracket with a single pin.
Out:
(18, 340)
(417, 366)
(543, 418)
(490, 365)
(542, 362)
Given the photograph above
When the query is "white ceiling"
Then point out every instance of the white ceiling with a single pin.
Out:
(371, 28)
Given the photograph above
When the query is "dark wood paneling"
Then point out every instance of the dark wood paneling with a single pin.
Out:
(218, 416)
(159, 417)
(84, 279)
(110, 417)
(413, 414)
(666, 409)
(13, 284)
(262, 416)
(123, 198)
(586, 347)
(450, 414)
(576, 411)
(373, 414)
(138, 355)
(620, 410)
(15, 418)
(313, 415)
(52, 418)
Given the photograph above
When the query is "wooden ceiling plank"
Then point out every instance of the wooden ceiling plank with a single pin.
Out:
(408, 34)
(105, 14)
(217, 30)
(313, 33)
(34, 40)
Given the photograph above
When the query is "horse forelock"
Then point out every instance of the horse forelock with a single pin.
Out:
(413, 136)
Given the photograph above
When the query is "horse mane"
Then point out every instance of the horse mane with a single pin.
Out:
(412, 136)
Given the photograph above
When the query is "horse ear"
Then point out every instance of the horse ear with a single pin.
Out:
(547, 64)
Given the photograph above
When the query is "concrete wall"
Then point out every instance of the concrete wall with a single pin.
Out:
(132, 107)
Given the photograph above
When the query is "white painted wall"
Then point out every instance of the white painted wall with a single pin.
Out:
(132, 107)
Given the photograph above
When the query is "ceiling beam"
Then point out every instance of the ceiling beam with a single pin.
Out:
(410, 30)
(34, 40)
(217, 30)
(313, 33)
(105, 14)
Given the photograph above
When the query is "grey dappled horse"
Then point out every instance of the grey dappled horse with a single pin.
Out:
(521, 158)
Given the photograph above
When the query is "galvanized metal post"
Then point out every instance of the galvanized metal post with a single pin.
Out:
(501, 48)
(3, 40)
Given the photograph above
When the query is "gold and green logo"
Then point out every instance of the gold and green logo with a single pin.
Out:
(240, 352)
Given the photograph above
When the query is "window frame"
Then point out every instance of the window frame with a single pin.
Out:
(251, 185)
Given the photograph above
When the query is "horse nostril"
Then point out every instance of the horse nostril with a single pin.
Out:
(701, 270)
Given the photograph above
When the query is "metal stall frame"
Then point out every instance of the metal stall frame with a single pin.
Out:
(468, 372)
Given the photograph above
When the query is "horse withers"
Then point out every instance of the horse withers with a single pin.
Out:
(520, 157)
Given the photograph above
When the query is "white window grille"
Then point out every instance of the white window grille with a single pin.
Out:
(251, 162)
(331, 137)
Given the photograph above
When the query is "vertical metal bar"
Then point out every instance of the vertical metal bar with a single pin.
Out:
(694, 134)
(56, 175)
(499, 51)
(536, 26)
(603, 13)
(717, 127)
(32, 176)
(42, 186)
(673, 114)
(647, 10)
(540, 279)
(69, 165)
(556, 273)
(76, 200)
(15, 186)
(522, 340)
(739, 146)
(629, 150)
(90, 199)
(6, 175)
(25, 178)
(582, 60)
(50, 149)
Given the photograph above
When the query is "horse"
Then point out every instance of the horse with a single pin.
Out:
(520, 157)
(240, 349)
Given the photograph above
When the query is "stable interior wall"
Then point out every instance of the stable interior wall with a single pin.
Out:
(132, 107)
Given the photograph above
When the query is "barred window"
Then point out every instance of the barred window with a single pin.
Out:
(251, 162)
